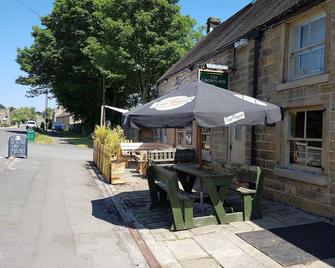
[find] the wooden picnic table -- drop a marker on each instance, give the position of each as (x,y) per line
(163,182)
(217,185)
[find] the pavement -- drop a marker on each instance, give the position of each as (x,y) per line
(209,246)
(56,211)
(53,214)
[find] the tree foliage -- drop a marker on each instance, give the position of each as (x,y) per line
(130,43)
(23,114)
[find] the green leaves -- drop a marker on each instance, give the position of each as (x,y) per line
(23,114)
(131,42)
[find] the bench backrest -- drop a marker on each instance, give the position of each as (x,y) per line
(253,175)
(162,155)
(185,156)
(164,175)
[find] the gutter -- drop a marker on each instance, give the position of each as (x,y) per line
(286,15)
(257,36)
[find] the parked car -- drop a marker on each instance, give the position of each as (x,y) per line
(57,126)
(31,124)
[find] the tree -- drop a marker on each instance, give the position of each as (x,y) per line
(142,39)
(55,62)
(23,114)
(130,43)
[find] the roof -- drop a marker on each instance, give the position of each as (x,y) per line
(260,15)
(63,114)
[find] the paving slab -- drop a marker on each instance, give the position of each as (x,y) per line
(207,246)
(201,263)
(186,249)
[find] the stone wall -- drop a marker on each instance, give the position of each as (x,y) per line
(314,197)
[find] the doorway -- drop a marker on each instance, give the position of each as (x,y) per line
(237,138)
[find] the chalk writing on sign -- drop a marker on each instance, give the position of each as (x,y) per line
(18,146)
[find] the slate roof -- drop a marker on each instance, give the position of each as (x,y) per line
(259,15)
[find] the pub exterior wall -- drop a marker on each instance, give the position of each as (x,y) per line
(318,198)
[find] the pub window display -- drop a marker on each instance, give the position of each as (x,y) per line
(305,138)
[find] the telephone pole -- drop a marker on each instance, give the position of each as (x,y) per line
(103,111)
(46,111)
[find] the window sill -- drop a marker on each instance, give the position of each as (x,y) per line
(301,176)
(304,82)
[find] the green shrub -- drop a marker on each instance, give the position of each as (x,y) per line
(111,138)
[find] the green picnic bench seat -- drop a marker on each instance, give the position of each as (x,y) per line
(248,182)
(163,183)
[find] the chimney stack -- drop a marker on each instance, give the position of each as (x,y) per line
(212,22)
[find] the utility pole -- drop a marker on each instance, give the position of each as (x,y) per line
(46,111)
(103,111)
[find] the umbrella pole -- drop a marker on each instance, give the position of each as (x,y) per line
(200,164)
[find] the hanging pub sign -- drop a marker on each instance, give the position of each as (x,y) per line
(218,79)
(18,146)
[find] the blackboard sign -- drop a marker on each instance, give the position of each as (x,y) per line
(18,146)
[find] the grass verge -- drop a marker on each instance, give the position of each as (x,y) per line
(44,139)
(76,139)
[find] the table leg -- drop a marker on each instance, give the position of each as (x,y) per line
(187,181)
(216,200)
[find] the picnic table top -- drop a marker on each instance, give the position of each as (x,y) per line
(140,146)
(196,170)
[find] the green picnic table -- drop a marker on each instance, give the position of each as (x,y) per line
(163,182)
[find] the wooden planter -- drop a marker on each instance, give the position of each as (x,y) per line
(117,168)
(110,167)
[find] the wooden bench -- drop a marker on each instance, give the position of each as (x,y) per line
(248,182)
(163,183)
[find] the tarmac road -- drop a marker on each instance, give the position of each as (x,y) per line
(52,213)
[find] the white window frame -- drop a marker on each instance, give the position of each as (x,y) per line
(288,139)
(205,139)
(206,144)
(292,52)
(180,136)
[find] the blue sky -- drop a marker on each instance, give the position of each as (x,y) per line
(17,18)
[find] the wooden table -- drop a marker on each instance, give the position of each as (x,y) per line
(217,186)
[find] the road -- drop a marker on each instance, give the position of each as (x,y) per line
(52,214)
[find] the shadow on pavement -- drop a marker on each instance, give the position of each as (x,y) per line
(17,131)
(103,209)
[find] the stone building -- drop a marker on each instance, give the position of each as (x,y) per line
(282,52)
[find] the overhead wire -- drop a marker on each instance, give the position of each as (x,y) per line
(28,8)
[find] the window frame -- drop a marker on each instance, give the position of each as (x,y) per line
(180,136)
(291,52)
(288,139)
(206,143)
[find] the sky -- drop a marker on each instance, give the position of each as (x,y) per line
(18,17)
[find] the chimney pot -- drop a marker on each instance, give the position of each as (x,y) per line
(212,22)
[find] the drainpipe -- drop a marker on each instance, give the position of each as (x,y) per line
(257,36)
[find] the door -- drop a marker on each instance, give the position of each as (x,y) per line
(237,144)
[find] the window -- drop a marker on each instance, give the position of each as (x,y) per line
(307,50)
(305,138)
(180,136)
(205,139)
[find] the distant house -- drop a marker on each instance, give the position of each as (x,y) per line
(4,115)
(63,116)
